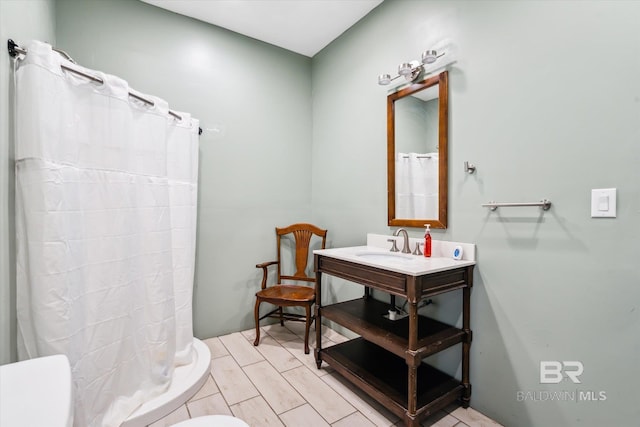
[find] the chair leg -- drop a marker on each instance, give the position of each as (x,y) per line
(256,313)
(307,324)
(281,321)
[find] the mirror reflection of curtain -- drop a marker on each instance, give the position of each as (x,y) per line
(417,185)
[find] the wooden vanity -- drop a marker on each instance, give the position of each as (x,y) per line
(386,360)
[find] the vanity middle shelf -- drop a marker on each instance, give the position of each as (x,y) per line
(364,316)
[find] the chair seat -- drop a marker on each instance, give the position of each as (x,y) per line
(288,292)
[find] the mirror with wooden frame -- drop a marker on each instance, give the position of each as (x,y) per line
(417,138)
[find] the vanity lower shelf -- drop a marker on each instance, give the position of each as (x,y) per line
(364,316)
(384,376)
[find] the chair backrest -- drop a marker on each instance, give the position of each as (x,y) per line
(302,233)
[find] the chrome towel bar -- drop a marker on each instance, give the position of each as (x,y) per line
(544,204)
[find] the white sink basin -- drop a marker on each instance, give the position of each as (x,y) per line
(386,257)
(378,257)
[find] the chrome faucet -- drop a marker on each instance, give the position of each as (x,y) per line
(405,236)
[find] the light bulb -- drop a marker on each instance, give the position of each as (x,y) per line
(429,56)
(384,79)
(404,69)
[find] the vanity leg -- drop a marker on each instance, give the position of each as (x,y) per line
(411,421)
(318,316)
(413,364)
(466,346)
(413,395)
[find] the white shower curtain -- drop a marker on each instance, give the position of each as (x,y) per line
(105,221)
(417,185)
(182,173)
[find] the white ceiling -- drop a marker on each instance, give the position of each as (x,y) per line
(302,26)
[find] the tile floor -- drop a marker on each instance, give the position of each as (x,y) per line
(276,384)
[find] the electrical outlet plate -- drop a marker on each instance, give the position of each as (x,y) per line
(603,203)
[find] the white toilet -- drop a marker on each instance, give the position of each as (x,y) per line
(45,381)
(213,421)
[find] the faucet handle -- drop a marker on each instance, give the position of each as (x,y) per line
(418,251)
(394,248)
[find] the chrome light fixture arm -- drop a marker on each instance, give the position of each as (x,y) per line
(412,69)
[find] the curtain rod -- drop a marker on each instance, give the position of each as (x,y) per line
(15,50)
(424,156)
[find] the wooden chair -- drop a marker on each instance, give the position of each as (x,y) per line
(290,295)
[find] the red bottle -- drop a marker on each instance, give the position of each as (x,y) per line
(427,242)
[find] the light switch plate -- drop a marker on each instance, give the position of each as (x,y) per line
(603,203)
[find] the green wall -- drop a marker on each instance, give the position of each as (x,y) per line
(19,20)
(416,125)
(545,101)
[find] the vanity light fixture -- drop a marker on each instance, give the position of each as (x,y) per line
(412,69)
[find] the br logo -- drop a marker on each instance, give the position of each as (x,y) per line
(551,371)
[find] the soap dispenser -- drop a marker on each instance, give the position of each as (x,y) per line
(427,241)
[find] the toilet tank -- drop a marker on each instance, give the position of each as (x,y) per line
(36,392)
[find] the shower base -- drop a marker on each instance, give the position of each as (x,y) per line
(187,380)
